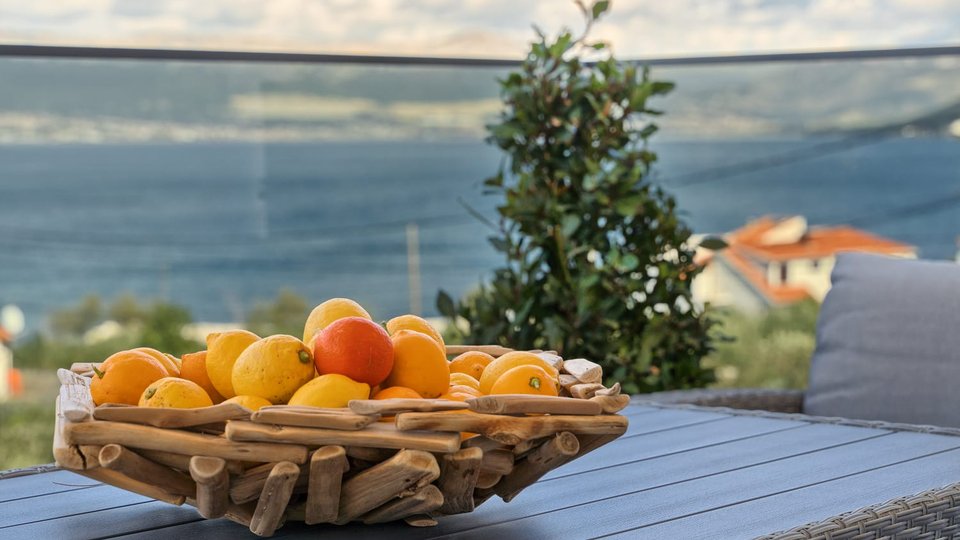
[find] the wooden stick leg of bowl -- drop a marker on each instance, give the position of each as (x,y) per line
(273,500)
(458,478)
(327,466)
(426,500)
(129,463)
(408,469)
(487,479)
(213,485)
(108,476)
(553,453)
(497,462)
(420,520)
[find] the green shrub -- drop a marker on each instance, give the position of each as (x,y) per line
(596,261)
(769,350)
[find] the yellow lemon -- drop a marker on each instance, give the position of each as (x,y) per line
(273,368)
(417,324)
(223,349)
(251,402)
(331,391)
(171,392)
(329,311)
(465,380)
(173,368)
(501,365)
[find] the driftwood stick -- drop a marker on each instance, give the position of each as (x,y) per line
(483,443)
(213,485)
(612,391)
(420,520)
(584,370)
(425,500)
(458,478)
(612,404)
(551,358)
(327,466)
(492,350)
(522,404)
(585,391)
(525,446)
(498,462)
(248,485)
(273,501)
(182,461)
(550,455)
(171,418)
(512,430)
(152,438)
(374,435)
(129,463)
(370,453)
(122,481)
(399,405)
(409,469)
(487,479)
(336,419)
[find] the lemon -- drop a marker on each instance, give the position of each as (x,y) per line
(332,391)
(412,322)
(223,349)
(273,368)
(171,392)
(172,367)
(329,311)
(251,402)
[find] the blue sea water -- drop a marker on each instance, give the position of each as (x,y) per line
(218,226)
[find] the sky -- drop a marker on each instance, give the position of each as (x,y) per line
(482,28)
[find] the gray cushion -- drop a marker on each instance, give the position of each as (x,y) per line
(888,342)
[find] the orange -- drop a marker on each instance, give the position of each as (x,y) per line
(471,362)
(172,368)
(511,360)
(223,349)
(417,324)
(326,313)
(419,363)
(193,367)
(356,347)
(124,376)
(527,379)
(254,403)
(465,380)
(274,368)
(395,392)
(459,388)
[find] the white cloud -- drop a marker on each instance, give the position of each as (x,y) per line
(636,28)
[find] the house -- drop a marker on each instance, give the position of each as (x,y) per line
(772,262)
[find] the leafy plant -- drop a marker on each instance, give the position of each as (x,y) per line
(596,260)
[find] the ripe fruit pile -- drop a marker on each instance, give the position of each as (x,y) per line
(344,355)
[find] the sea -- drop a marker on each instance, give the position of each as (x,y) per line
(217,227)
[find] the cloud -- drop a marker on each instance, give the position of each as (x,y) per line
(637,28)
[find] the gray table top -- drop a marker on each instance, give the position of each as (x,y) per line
(676,473)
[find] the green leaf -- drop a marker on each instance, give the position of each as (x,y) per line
(713,243)
(629,206)
(499,244)
(600,7)
(629,262)
(445,305)
(570,224)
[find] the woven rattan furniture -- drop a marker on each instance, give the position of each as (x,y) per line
(680,471)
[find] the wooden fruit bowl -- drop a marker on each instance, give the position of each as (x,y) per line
(317,465)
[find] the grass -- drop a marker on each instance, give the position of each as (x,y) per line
(26,422)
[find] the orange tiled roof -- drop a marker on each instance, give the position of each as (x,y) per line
(824,242)
(754,275)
